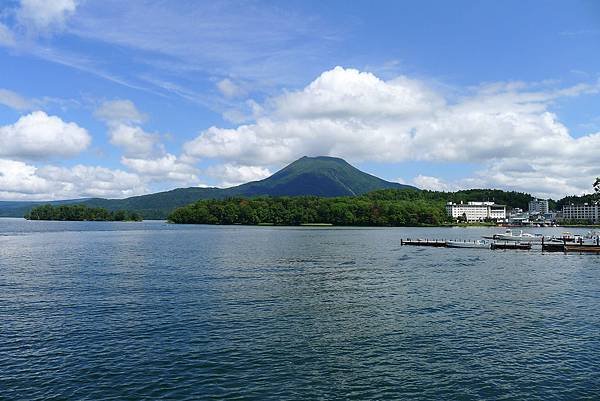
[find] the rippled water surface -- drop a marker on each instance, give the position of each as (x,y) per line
(154,311)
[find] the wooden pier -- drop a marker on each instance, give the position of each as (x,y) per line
(571,246)
(553,247)
(583,248)
(511,245)
(424,242)
(546,246)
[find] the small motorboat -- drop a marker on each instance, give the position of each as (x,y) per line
(481,244)
(568,238)
(509,235)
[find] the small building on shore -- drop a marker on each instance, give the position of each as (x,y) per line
(476,211)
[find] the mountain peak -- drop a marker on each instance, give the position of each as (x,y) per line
(319,176)
(332,159)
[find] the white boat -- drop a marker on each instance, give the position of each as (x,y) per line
(591,238)
(468,244)
(509,235)
(526,237)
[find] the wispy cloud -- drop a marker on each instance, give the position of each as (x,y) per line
(223,39)
(181,51)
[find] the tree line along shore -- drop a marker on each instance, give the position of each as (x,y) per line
(389,207)
(386,207)
(80,213)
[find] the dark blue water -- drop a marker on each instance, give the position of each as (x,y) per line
(93,311)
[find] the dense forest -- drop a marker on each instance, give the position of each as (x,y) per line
(576,200)
(79,213)
(511,199)
(343,211)
(386,207)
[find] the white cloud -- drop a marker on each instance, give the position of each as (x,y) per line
(6,36)
(120,111)
(38,136)
(44,15)
(143,152)
(229,89)
(19,180)
(232,174)
(14,100)
(165,168)
(122,118)
(433,183)
(348,93)
(92,181)
(17,177)
(133,140)
(358,116)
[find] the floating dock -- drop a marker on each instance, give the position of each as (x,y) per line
(551,246)
(582,248)
(424,242)
(511,245)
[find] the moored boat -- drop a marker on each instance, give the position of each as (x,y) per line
(480,244)
(509,235)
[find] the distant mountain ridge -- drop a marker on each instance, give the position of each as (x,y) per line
(319,176)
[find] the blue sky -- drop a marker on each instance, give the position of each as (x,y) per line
(111,98)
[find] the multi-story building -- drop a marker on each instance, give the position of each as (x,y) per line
(581,212)
(538,206)
(476,211)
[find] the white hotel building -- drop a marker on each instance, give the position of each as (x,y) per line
(476,211)
(581,212)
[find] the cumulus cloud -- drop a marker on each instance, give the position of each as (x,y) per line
(232,174)
(433,183)
(45,15)
(165,168)
(38,136)
(93,181)
(120,111)
(348,93)
(123,118)
(143,152)
(356,115)
(133,140)
(19,180)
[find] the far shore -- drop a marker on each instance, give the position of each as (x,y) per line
(448,225)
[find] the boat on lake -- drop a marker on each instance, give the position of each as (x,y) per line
(509,235)
(481,244)
(591,238)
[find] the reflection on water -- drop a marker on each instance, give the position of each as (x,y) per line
(157,311)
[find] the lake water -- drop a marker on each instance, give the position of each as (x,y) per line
(153,311)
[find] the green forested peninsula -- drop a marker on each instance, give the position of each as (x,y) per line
(368,210)
(79,213)
(387,207)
